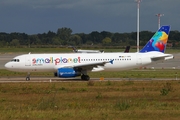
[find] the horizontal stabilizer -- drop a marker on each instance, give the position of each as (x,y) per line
(162,57)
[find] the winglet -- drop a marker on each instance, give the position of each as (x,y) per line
(158,41)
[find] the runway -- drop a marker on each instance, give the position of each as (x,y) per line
(55,79)
(6,57)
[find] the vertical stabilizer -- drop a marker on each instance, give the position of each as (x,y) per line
(158,42)
(127,49)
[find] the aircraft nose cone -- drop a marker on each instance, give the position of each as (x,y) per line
(7,65)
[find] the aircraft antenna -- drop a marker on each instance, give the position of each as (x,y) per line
(159,19)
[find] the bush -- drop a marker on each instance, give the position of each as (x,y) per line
(122,105)
(90,83)
(166,89)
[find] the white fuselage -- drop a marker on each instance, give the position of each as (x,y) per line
(51,62)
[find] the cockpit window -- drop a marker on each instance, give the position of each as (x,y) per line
(15,60)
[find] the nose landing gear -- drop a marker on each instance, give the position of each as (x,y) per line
(28,77)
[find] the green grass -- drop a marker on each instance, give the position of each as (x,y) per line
(95,100)
(83,101)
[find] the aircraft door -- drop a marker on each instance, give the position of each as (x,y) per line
(27,60)
(139,60)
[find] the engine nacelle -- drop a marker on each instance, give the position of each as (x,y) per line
(67,72)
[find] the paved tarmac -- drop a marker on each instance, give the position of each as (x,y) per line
(6,57)
(54,79)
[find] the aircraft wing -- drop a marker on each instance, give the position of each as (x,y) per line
(162,57)
(90,66)
(85,66)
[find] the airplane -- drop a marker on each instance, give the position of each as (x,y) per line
(65,65)
(94,51)
(86,51)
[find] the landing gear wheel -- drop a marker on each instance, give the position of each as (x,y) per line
(27,78)
(85,77)
(82,77)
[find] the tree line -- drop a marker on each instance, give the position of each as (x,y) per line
(64,37)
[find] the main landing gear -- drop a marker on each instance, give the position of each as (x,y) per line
(28,77)
(85,77)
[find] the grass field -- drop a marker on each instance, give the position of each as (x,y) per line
(108,100)
(97,100)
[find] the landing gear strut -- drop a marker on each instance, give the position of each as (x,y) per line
(84,75)
(28,77)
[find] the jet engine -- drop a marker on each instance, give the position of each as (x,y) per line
(67,72)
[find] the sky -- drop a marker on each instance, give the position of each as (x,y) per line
(86,16)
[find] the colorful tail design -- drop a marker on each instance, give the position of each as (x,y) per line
(158,41)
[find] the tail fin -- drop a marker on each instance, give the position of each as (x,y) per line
(127,49)
(74,49)
(158,41)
